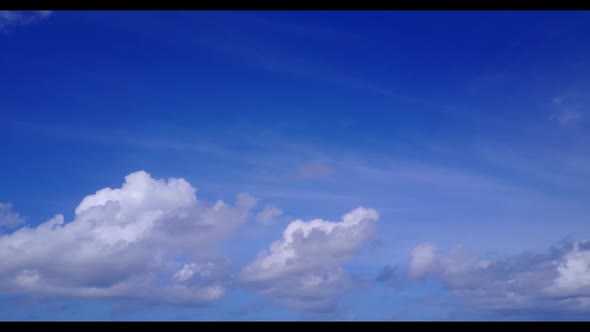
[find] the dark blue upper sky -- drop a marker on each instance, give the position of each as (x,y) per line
(458,127)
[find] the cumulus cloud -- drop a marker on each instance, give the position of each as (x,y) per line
(150,239)
(574,272)
(556,281)
(304,269)
(20,18)
(423,259)
(8,217)
(267,214)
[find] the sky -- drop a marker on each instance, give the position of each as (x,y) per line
(308,165)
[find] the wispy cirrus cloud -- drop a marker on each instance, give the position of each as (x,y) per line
(565,115)
(316,169)
(9,18)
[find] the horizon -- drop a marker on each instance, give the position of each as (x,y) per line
(294,165)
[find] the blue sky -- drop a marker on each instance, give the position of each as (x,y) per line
(406,165)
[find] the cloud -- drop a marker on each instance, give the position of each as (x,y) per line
(304,269)
(246,201)
(567,117)
(532,284)
(423,257)
(9,218)
(574,272)
(149,240)
(268,214)
(21,18)
(564,116)
(391,275)
(314,170)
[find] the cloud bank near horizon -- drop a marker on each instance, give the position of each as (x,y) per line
(534,284)
(153,240)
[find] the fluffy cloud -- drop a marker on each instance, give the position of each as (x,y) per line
(150,240)
(13,18)
(8,217)
(574,272)
(423,259)
(304,269)
(557,281)
(268,214)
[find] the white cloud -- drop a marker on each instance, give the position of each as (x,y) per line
(556,281)
(8,217)
(423,259)
(304,270)
(15,18)
(44,13)
(268,214)
(574,272)
(246,200)
(150,240)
